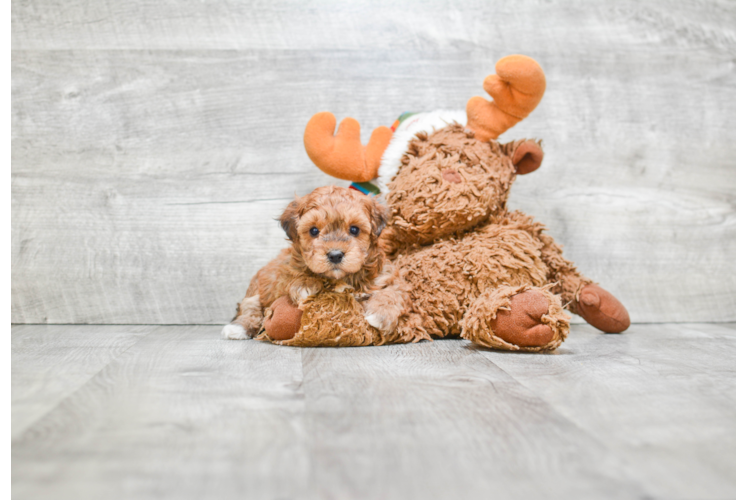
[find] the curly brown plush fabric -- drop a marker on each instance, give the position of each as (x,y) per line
(446,277)
(472,267)
(424,207)
(331,319)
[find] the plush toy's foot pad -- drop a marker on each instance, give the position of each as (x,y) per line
(516,318)
(521,325)
(285,320)
(603,311)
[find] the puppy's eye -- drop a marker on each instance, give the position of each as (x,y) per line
(354,230)
(314,232)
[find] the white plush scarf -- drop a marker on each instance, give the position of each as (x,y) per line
(421,122)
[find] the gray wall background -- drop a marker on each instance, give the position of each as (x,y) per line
(154,143)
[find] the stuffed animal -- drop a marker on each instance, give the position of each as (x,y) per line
(472,267)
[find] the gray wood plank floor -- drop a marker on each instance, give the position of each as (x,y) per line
(175,412)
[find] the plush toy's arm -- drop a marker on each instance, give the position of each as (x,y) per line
(282,319)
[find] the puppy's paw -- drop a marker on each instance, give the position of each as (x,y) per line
(384,321)
(374,320)
(384,308)
(232,331)
(299,293)
(342,287)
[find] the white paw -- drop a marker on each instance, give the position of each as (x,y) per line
(342,287)
(375,320)
(234,332)
(299,294)
(303,293)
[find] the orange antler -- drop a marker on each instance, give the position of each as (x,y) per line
(517,87)
(342,155)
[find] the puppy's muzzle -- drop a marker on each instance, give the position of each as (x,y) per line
(335,256)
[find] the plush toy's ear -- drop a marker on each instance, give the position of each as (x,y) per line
(516,88)
(290,217)
(379,215)
(527,157)
(342,155)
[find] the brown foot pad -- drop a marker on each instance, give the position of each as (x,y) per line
(603,311)
(521,325)
(285,321)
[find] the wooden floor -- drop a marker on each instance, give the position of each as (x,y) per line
(175,412)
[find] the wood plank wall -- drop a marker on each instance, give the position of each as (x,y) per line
(153,142)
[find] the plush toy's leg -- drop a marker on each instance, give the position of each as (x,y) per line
(283,319)
(580,294)
(520,318)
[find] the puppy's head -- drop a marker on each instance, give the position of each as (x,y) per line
(335,230)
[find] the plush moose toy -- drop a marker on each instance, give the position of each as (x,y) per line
(472,267)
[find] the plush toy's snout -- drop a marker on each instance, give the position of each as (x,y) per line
(451,175)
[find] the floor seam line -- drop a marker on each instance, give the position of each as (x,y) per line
(78,388)
(590,435)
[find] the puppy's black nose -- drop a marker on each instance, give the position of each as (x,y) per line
(335,256)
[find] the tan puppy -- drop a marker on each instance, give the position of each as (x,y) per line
(334,235)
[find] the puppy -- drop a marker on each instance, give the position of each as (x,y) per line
(334,235)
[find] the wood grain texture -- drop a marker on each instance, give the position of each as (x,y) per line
(662,398)
(153,143)
(351,25)
(433,420)
(51,362)
(182,414)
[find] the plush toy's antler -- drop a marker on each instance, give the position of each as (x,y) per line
(517,87)
(342,155)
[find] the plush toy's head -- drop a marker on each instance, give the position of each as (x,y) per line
(441,172)
(449,181)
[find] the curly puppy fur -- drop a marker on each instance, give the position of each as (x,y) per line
(334,234)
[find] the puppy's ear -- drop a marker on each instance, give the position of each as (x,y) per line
(290,217)
(379,215)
